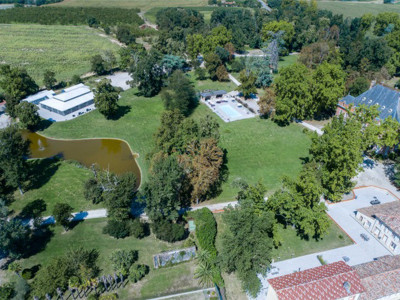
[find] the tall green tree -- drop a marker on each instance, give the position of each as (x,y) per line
(328,86)
(339,152)
(179,93)
(293,94)
(164,192)
(212,62)
(247,244)
(27,114)
(247,86)
(14,237)
(49,79)
(106,98)
(16,84)
(98,65)
(14,150)
(390,133)
(62,213)
(147,74)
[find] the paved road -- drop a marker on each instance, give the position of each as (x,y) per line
(184,294)
(102,213)
(360,252)
(310,127)
(234,80)
(264,5)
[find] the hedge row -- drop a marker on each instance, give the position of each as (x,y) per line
(206,230)
(70,15)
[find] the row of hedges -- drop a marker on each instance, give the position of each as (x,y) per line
(70,15)
(206,230)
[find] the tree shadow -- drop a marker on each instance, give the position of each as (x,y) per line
(33,209)
(40,237)
(41,170)
(121,111)
(43,124)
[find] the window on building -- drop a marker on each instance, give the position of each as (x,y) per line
(368,223)
(393,245)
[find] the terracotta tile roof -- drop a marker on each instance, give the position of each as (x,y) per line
(324,282)
(381,278)
(389,213)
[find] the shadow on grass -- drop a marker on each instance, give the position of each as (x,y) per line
(41,170)
(43,124)
(33,209)
(121,111)
(39,240)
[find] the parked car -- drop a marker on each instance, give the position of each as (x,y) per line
(375,202)
(364,237)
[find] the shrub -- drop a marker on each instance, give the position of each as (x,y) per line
(167,231)
(117,229)
(6,291)
(109,297)
(122,260)
(137,229)
(206,230)
(137,272)
(92,297)
(27,274)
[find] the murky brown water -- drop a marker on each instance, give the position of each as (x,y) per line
(114,155)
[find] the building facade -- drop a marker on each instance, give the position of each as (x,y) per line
(383,222)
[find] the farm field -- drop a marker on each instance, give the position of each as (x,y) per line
(88,234)
(142,4)
(357,9)
(205,10)
(66,50)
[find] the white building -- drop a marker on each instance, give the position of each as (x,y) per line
(69,101)
(383,221)
(39,97)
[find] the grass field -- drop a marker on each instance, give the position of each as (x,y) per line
(357,9)
(142,4)
(66,50)
(256,149)
(55,181)
(88,235)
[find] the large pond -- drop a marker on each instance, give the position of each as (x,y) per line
(108,154)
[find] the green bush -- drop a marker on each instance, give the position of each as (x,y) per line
(6,291)
(137,229)
(122,260)
(27,274)
(109,297)
(169,232)
(92,297)
(137,272)
(206,230)
(117,229)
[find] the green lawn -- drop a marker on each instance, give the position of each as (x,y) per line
(357,9)
(287,61)
(259,149)
(55,181)
(293,245)
(66,50)
(88,234)
(256,149)
(142,4)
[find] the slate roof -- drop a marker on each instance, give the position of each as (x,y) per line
(387,99)
(380,278)
(324,282)
(388,213)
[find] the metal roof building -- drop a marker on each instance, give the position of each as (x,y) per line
(39,97)
(70,100)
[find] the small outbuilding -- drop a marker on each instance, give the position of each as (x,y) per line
(207,95)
